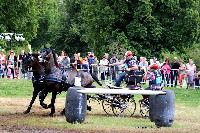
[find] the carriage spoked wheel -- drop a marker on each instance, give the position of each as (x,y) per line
(144,108)
(107,104)
(123,105)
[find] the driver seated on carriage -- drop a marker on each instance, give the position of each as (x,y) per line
(130,67)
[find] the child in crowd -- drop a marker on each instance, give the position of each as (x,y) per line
(182,72)
(10,68)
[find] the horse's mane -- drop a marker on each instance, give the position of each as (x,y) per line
(35,55)
(54,57)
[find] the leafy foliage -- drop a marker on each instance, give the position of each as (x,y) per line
(147,27)
(19,16)
(194,53)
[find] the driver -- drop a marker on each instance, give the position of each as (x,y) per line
(130,66)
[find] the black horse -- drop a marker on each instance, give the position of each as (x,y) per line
(31,61)
(56,81)
(40,82)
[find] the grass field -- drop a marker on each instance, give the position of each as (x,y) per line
(15,96)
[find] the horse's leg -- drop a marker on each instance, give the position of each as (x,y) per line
(42,96)
(35,93)
(53,103)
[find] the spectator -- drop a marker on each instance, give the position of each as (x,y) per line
(64,60)
(85,64)
(154,61)
(21,57)
(2,63)
(166,71)
(182,73)
(143,66)
(12,63)
(95,66)
(60,57)
(104,67)
(79,61)
(197,79)
(76,61)
(191,69)
(91,60)
(174,72)
(113,69)
(143,63)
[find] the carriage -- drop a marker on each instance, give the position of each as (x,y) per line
(123,105)
(120,101)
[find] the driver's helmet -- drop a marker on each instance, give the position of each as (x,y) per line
(128,53)
(154,66)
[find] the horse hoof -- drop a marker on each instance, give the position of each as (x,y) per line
(26,112)
(51,114)
(49,106)
(44,106)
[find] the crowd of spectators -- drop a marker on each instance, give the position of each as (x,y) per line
(174,72)
(11,65)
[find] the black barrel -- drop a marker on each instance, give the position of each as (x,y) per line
(162,109)
(75,105)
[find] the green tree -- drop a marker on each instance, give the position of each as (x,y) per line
(19,16)
(149,25)
(49,23)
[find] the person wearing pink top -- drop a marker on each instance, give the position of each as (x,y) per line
(166,70)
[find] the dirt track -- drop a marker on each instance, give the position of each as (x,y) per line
(26,129)
(11,115)
(12,120)
(11,111)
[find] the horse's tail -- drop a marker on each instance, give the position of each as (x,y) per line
(96,79)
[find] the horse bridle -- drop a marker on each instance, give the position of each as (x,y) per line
(44,55)
(27,65)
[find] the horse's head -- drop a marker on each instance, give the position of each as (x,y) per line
(28,62)
(48,56)
(45,55)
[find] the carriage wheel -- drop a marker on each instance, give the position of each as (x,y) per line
(107,106)
(144,108)
(123,107)
(92,101)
